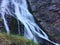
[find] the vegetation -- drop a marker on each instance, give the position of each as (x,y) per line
(14,40)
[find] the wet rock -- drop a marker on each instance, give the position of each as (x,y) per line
(59,12)
(53,7)
(55,1)
(1,24)
(14,27)
(47,13)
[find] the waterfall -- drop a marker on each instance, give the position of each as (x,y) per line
(19,10)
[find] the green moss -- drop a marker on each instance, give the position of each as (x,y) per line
(0,19)
(14,40)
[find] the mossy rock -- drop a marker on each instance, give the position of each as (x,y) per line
(14,40)
(0,19)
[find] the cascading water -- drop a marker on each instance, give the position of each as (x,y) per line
(19,10)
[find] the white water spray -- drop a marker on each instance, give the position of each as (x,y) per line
(25,17)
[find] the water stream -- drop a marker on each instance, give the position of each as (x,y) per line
(19,10)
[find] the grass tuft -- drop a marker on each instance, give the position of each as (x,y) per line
(14,40)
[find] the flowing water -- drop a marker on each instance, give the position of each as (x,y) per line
(19,10)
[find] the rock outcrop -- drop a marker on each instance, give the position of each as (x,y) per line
(47,13)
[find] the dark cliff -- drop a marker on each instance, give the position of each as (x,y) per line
(47,13)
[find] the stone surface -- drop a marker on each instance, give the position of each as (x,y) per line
(1,24)
(47,13)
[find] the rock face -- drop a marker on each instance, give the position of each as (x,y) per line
(47,13)
(12,24)
(1,24)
